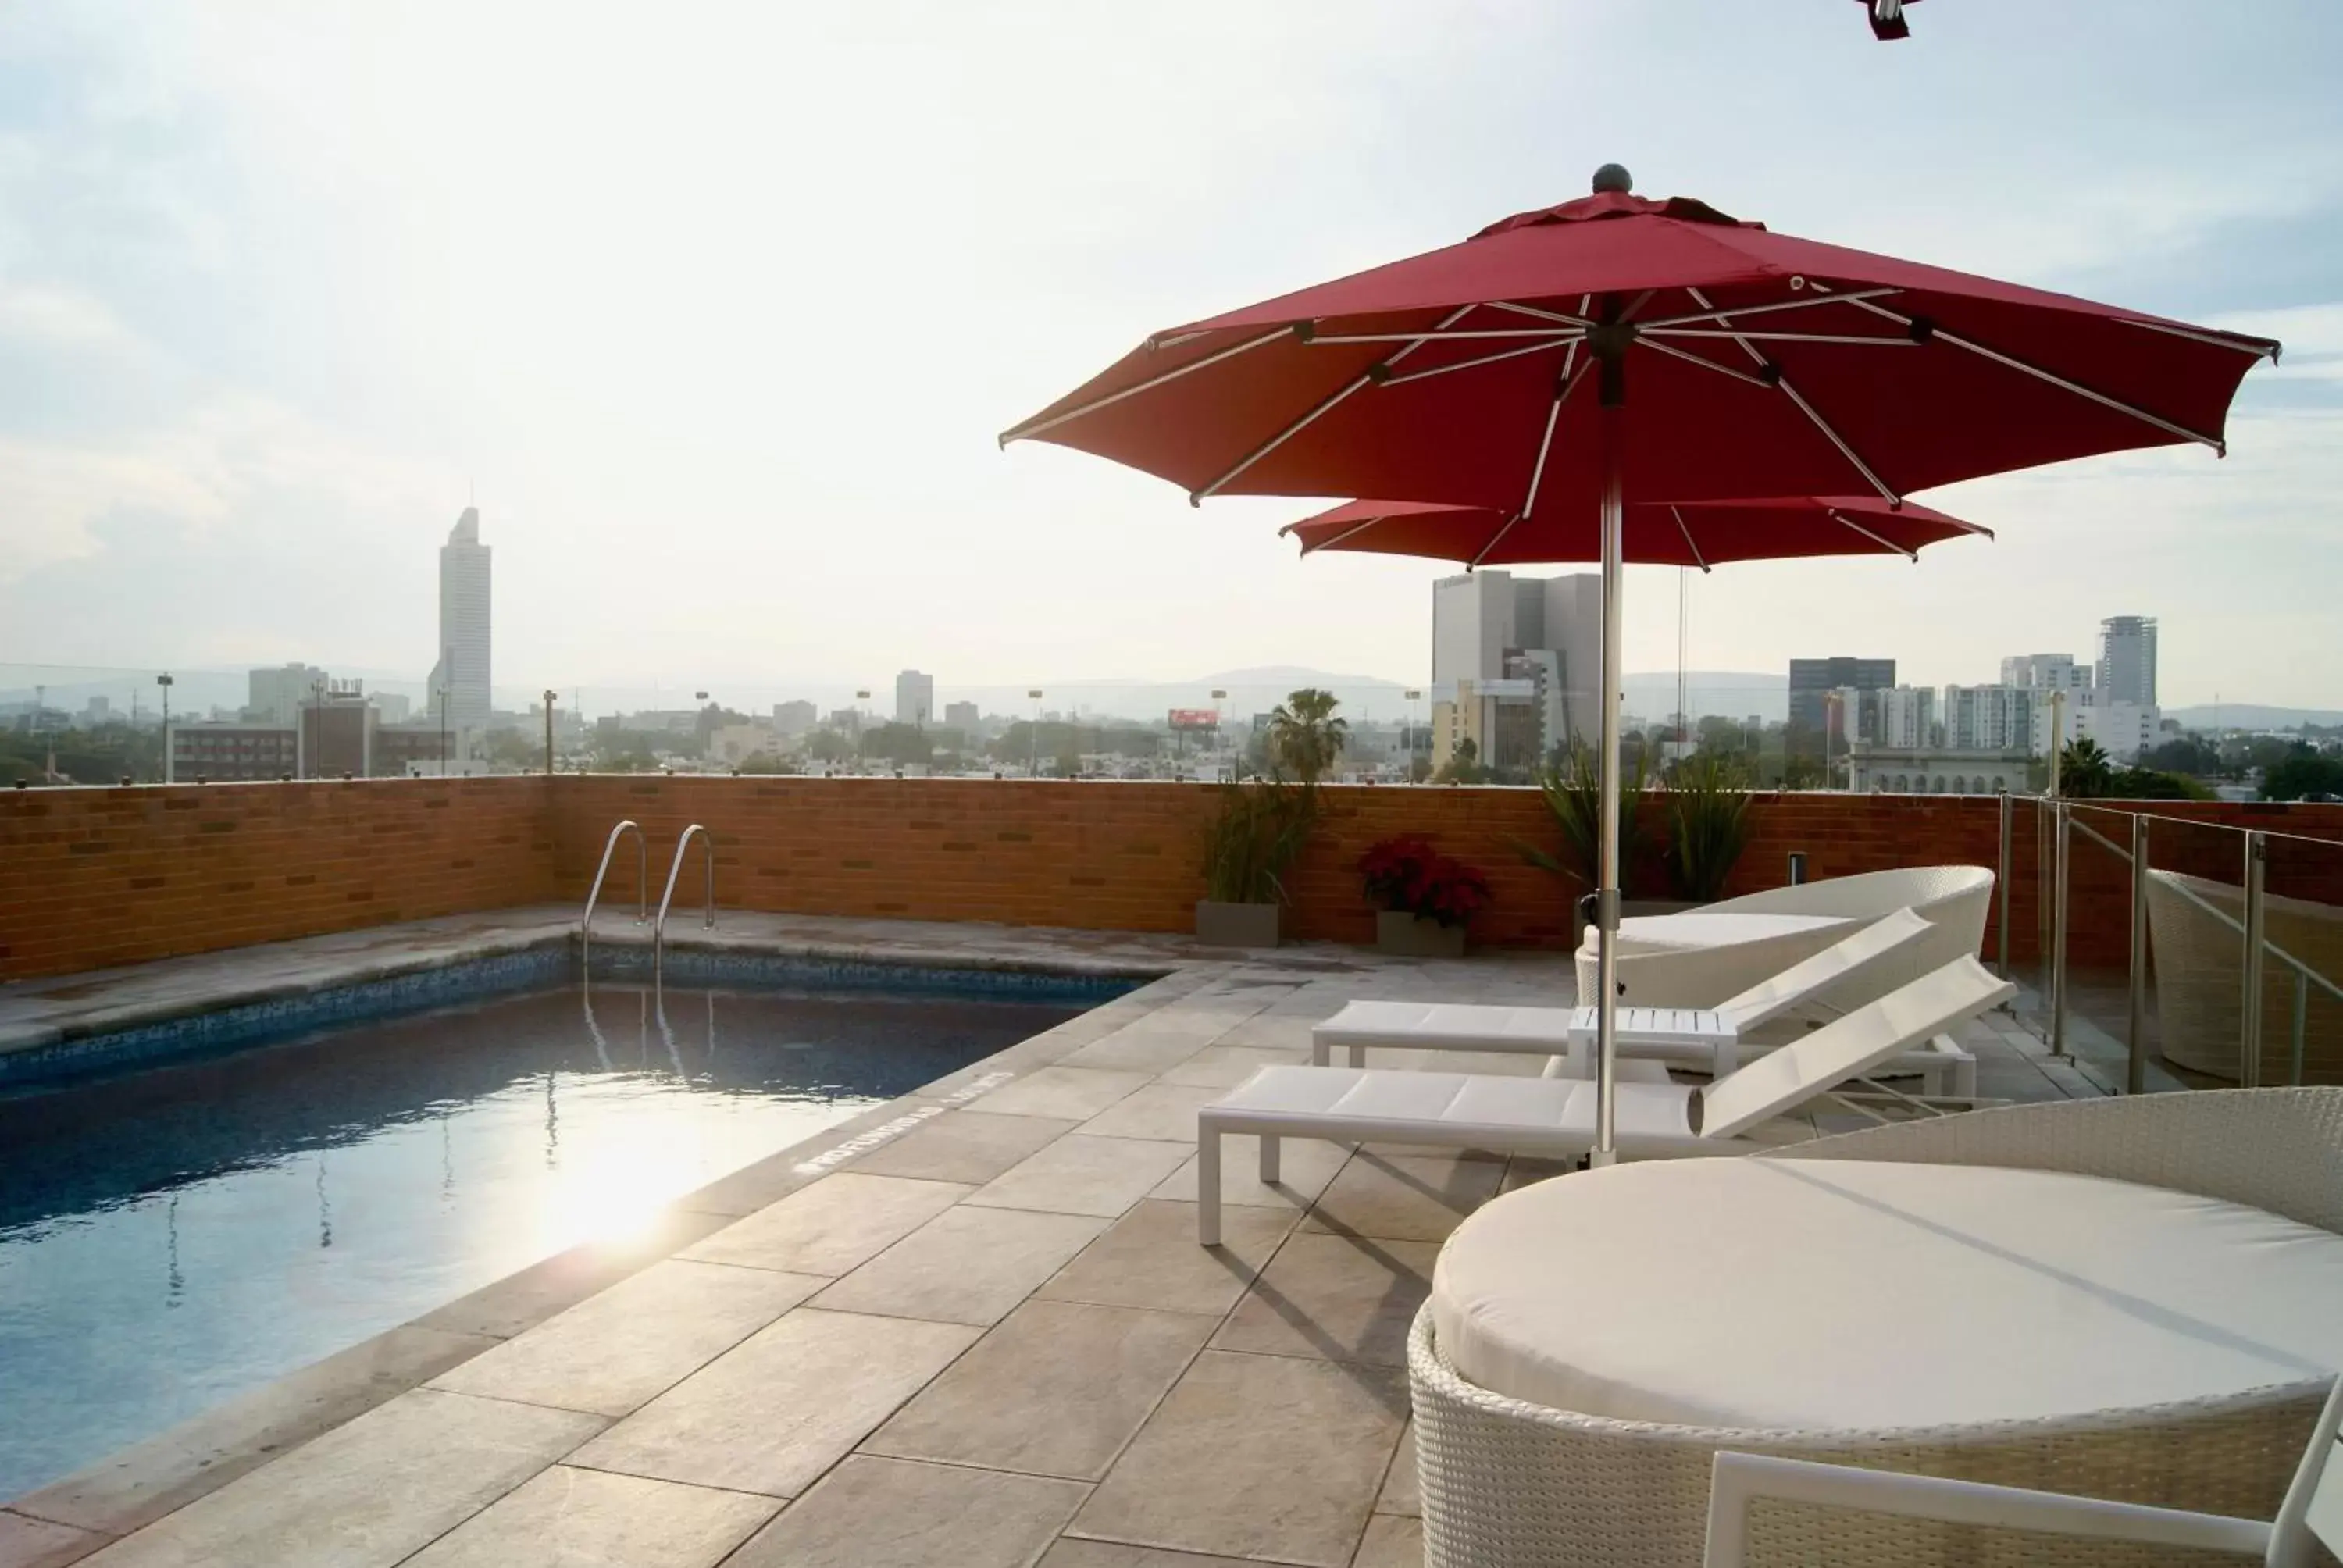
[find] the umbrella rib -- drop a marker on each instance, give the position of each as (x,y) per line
(2259,347)
(1712,314)
(1706,364)
(1471,334)
(1889,545)
(1325,404)
(1685,529)
(2061,382)
(1484,360)
(1781,382)
(1350,532)
(1541,314)
(1776,336)
(1494,540)
(1545,444)
(1035,427)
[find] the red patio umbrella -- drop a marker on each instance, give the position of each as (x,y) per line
(1702,534)
(1755,364)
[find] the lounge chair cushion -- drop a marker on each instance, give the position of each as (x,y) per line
(1858,1295)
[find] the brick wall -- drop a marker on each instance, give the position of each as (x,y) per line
(96,877)
(91,878)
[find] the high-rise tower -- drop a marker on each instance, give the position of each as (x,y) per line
(462,672)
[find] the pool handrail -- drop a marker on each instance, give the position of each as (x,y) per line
(642,887)
(674,872)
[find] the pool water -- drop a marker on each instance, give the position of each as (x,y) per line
(174,1236)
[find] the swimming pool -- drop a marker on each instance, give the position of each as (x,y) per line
(177,1234)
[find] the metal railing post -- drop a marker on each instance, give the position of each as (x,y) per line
(2061,829)
(2136,1063)
(2301,1022)
(2001,882)
(2046,887)
(2250,1030)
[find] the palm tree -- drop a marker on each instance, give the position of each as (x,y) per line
(1304,736)
(2085,772)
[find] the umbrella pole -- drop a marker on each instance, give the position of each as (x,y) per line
(1606,896)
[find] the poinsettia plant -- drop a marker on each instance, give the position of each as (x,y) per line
(1406,875)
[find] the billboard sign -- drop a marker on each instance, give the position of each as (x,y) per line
(1195,718)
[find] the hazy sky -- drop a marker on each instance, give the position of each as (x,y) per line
(720,308)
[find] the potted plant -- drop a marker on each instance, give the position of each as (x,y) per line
(1251,839)
(1574,793)
(1708,827)
(1425,898)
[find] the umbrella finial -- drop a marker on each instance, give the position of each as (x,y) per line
(1613,177)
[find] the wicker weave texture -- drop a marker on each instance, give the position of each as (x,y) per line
(1508,1484)
(2275,1149)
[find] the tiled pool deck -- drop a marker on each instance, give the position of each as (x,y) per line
(970,1327)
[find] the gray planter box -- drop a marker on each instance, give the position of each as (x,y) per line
(1410,936)
(1237,924)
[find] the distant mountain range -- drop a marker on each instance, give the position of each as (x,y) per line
(2250,715)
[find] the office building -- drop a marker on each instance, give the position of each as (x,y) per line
(1936,770)
(463,671)
(233,750)
(915,697)
(963,717)
(1988,717)
(274,696)
(1811,680)
(794,718)
(334,733)
(393,708)
(2046,672)
(1907,718)
(2122,729)
(1494,632)
(2127,660)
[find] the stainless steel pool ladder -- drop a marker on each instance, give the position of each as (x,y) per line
(674,872)
(642,888)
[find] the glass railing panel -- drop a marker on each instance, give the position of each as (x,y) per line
(2196,908)
(2302,960)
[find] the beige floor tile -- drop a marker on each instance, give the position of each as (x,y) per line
(832,1226)
(570,1518)
(1163,1110)
(1077,1093)
(1070,1553)
(37,1544)
(1305,1166)
(965,1266)
(1150,1258)
(1400,1494)
(365,1494)
(1393,1541)
(1147,1047)
(1056,1390)
(959,1147)
(1255,1456)
(1344,1298)
(1226,1066)
(612,1352)
(1405,1197)
(774,1413)
(892,1514)
(1084,1175)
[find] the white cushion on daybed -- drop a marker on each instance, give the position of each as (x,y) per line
(1868,1296)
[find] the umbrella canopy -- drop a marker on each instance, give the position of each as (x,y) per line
(1707,360)
(1702,534)
(1756,365)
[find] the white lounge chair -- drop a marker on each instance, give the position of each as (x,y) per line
(1700,957)
(2310,1515)
(1555,1116)
(1705,1039)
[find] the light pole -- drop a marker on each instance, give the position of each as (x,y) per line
(549,695)
(1033,769)
(1414,694)
(163,681)
(443,730)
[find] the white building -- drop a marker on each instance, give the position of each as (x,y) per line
(2122,729)
(1491,628)
(276,695)
(2046,672)
(392,707)
(1935,771)
(2127,660)
(915,697)
(463,670)
(1908,716)
(1988,717)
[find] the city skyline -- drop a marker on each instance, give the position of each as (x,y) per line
(264,366)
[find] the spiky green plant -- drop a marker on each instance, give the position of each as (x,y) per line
(1252,837)
(1573,794)
(1708,825)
